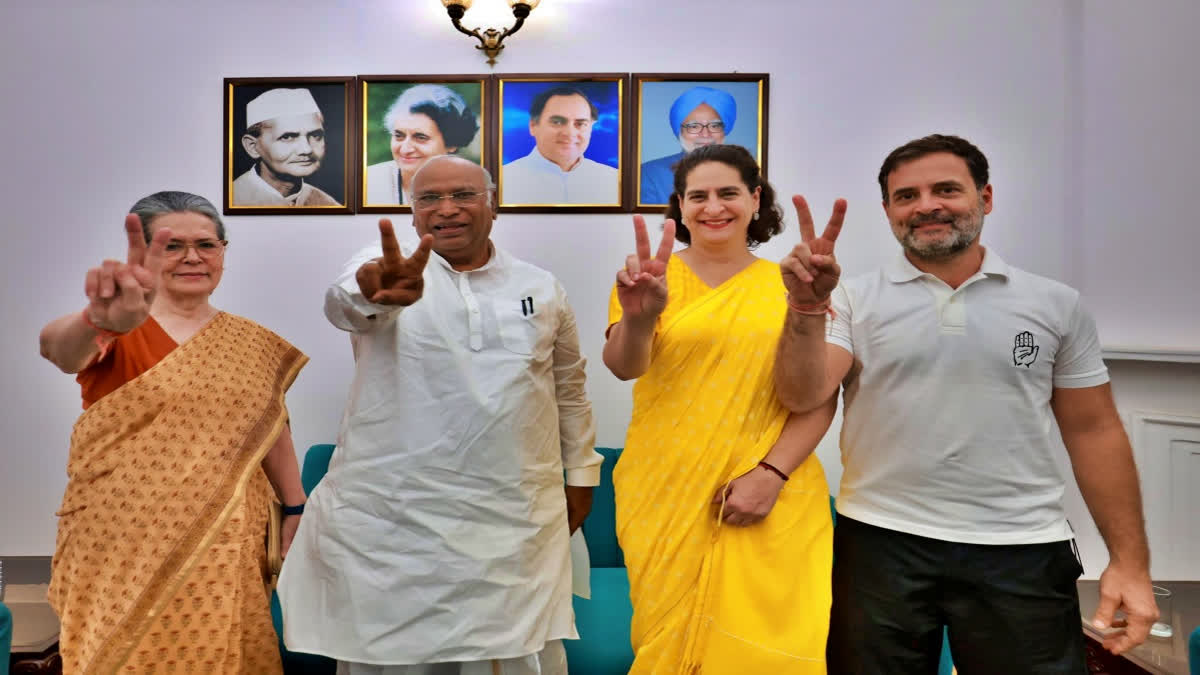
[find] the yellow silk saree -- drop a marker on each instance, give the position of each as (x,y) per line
(710,598)
(160,558)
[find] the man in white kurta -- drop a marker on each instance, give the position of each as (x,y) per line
(440,533)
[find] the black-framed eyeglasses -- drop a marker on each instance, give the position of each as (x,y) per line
(694,128)
(460,198)
(205,248)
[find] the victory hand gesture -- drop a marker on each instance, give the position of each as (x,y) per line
(120,294)
(392,279)
(642,283)
(810,271)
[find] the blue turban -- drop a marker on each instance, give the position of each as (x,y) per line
(719,100)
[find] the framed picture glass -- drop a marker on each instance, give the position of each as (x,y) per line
(407,119)
(288,145)
(675,113)
(561,143)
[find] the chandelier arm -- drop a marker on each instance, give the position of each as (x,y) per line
(456,20)
(490,40)
(515,27)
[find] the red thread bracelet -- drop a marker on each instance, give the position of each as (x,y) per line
(819,309)
(773,470)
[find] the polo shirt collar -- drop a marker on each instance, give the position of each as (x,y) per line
(902,270)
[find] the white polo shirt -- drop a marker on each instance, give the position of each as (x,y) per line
(947,429)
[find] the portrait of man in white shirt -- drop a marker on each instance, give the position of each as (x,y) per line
(556,171)
(285,139)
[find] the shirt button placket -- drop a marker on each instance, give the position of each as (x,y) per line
(474,321)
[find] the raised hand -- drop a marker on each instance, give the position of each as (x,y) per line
(392,279)
(810,271)
(642,283)
(120,294)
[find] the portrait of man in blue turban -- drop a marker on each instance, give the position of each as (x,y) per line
(701,115)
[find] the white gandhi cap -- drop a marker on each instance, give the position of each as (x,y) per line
(280,103)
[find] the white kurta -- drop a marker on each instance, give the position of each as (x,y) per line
(439,532)
(533,179)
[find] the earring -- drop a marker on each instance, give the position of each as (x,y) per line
(756,215)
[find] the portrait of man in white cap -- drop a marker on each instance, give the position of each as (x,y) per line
(285,136)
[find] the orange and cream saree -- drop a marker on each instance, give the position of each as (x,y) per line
(160,559)
(710,598)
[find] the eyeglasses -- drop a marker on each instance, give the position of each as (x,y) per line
(205,248)
(694,128)
(460,198)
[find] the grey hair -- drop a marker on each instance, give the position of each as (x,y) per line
(487,175)
(491,184)
(173,201)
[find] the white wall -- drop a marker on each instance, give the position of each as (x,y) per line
(1137,232)
(108,102)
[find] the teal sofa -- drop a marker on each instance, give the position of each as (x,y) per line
(603,621)
(603,647)
(316,463)
(1194,652)
(6,631)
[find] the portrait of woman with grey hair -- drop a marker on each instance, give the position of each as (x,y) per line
(425,120)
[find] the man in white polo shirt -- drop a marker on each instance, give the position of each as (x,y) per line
(955,367)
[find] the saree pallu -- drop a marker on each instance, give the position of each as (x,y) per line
(710,598)
(160,558)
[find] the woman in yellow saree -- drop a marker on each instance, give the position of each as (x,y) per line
(722,510)
(160,560)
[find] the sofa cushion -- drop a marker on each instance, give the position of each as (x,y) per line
(603,647)
(600,527)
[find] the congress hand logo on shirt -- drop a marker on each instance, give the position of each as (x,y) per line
(1024,350)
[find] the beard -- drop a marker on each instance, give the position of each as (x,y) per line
(964,230)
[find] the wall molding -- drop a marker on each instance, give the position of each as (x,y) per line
(1166,469)
(1133,353)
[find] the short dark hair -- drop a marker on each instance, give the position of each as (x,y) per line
(770,216)
(539,102)
(977,164)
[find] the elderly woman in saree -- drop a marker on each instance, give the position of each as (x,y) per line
(425,121)
(699,116)
(722,509)
(182,447)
